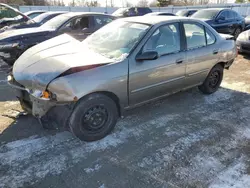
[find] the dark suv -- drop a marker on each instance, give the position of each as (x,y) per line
(225,21)
(132,11)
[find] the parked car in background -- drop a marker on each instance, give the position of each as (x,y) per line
(34,13)
(132,11)
(79,25)
(10,16)
(247,22)
(159,14)
(186,12)
(36,22)
(127,63)
(222,20)
(243,42)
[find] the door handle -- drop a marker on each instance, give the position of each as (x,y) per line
(215,52)
(179,61)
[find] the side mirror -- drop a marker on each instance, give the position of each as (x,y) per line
(150,55)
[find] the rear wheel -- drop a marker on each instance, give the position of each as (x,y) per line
(94,117)
(213,80)
(237,32)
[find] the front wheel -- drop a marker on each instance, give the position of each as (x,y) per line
(213,80)
(94,117)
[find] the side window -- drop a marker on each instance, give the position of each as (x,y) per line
(223,14)
(195,35)
(34,15)
(236,15)
(7,13)
(77,24)
(102,20)
(210,37)
(47,18)
(132,12)
(230,15)
(165,40)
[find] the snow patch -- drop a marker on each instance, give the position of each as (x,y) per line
(176,149)
(10,103)
(54,154)
(90,170)
(237,86)
(233,177)
(220,95)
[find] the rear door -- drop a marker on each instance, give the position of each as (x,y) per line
(150,79)
(201,52)
(232,23)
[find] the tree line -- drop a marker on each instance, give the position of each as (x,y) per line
(110,3)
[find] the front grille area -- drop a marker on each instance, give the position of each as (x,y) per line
(244,47)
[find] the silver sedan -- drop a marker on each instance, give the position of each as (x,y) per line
(87,85)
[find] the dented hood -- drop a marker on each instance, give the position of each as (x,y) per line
(39,65)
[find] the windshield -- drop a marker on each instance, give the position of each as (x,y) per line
(116,39)
(120,11)
(56,22)
(41,17)
(205,14)
(181,12)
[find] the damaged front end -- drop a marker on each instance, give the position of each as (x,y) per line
(9,52)
(43,105)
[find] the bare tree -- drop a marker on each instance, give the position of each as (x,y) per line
(152,4)
(142,3)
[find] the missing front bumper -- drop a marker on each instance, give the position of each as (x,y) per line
(34,106)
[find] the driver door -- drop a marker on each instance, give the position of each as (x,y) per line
(150,79)
(222,25)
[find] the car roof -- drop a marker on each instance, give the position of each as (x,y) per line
(152,20)
(86,13)
(54,12)
(218,9)
(35,11)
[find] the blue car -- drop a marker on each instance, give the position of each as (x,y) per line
(225,21)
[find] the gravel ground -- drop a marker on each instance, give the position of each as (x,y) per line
(185,140)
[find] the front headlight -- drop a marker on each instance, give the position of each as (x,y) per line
(45,95)
(243,36)
(9,46)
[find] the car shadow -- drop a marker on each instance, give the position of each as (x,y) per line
(246,56)
(181,103)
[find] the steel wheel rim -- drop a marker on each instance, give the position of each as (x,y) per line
(94,119)
(214,79)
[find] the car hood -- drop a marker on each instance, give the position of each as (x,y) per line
(21,32)
(208,21)
(39,65)
(226,36)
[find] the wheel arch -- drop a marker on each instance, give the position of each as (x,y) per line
(112,96)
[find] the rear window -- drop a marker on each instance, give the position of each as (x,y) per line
(205,14)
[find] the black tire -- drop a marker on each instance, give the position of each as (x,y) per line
(94,117)
(213,80)
(237,32)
